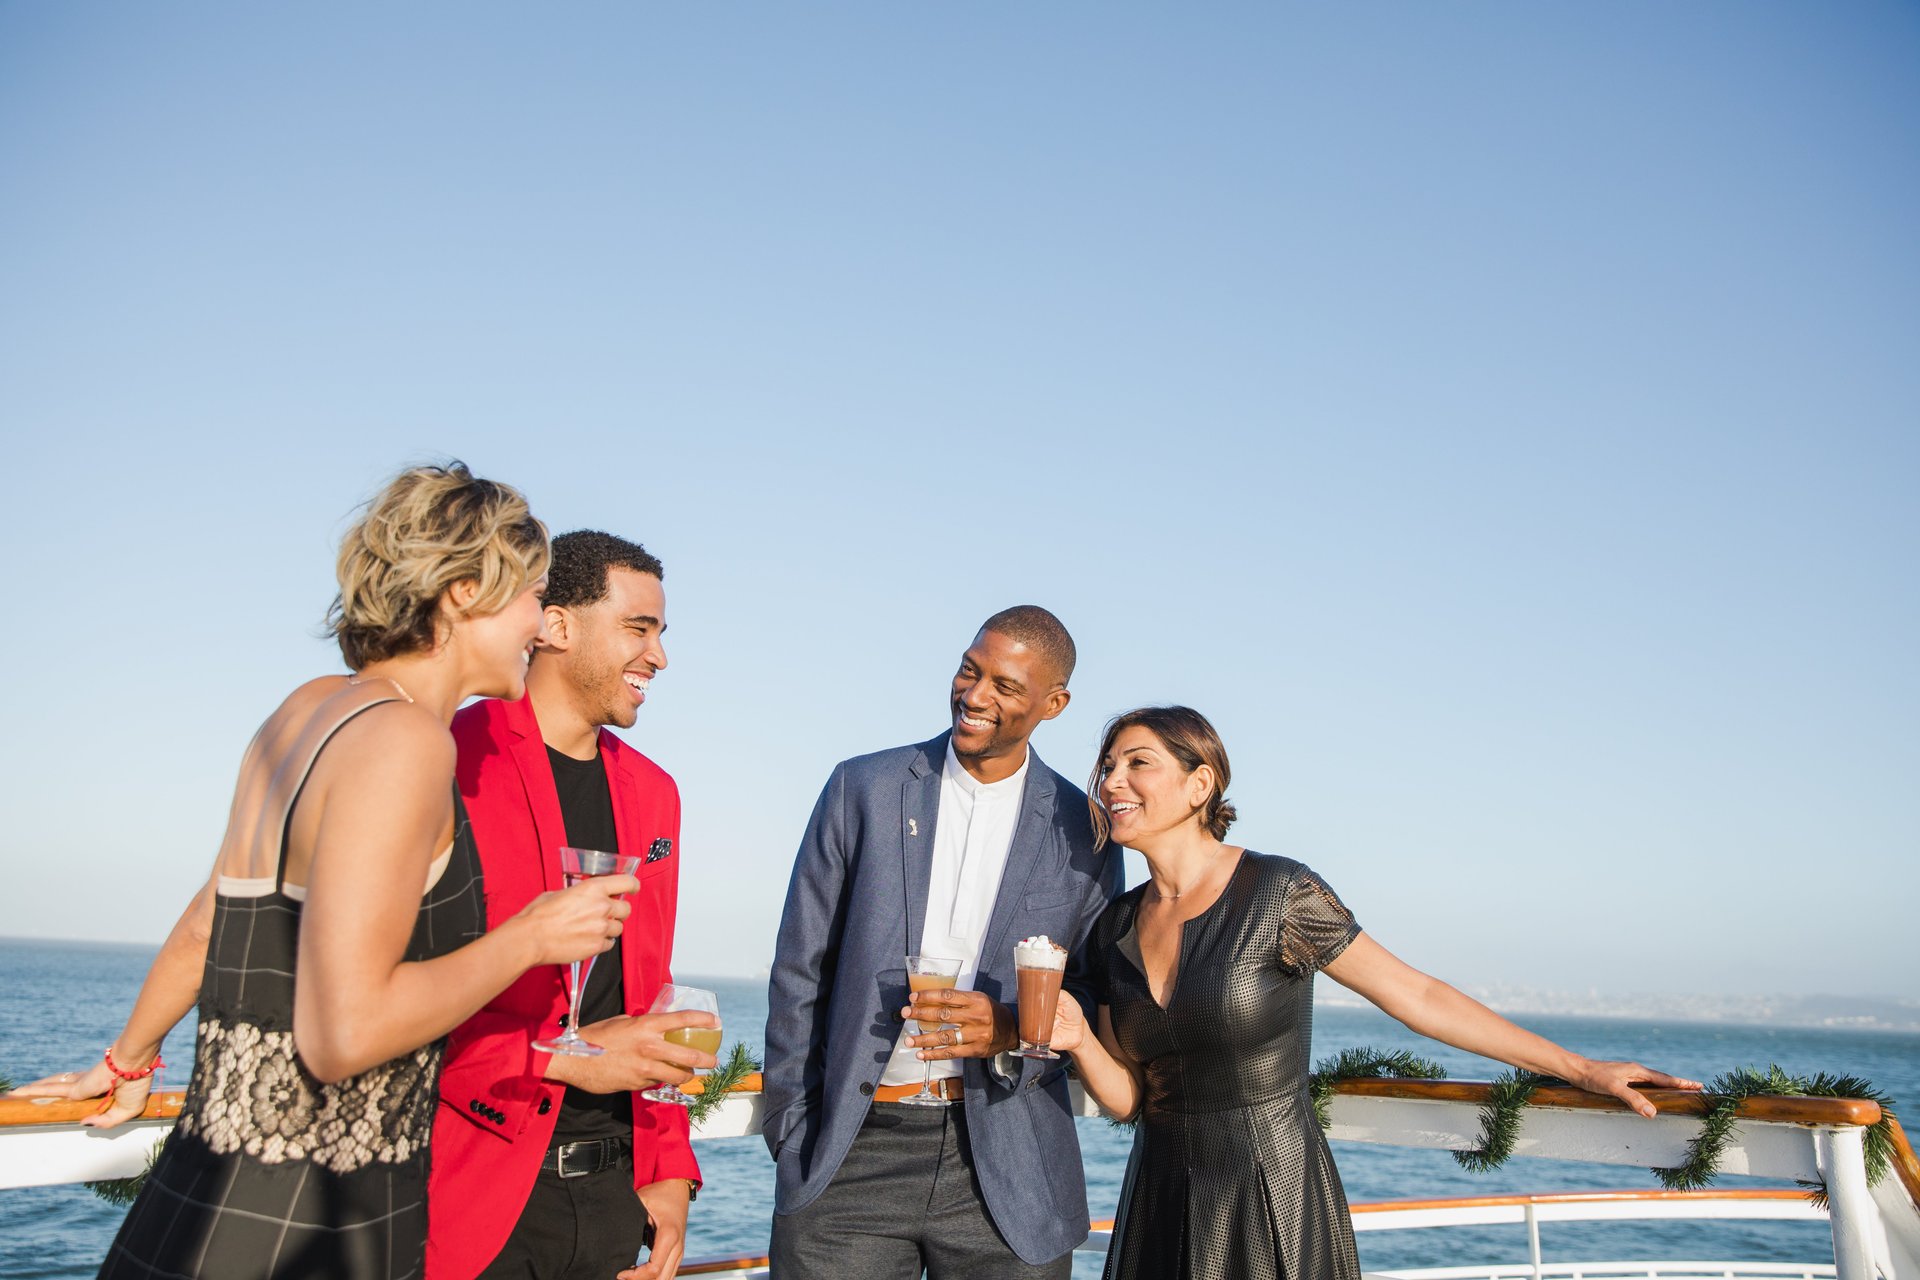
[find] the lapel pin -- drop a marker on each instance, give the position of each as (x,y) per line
(913,827)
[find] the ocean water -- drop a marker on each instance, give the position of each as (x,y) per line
(59,1002)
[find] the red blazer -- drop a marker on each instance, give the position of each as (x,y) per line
(497,1112)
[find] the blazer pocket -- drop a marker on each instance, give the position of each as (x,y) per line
(1048,901)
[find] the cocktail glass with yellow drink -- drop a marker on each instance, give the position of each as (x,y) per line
(673,999)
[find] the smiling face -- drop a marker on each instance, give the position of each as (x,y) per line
(610,650)
(1000,695)
(501,644)
(1145,790)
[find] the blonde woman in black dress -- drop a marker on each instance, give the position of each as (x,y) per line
(1205,975)
(302,1146)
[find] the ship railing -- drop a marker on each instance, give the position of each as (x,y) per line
(1875,1230)
(1746,1204)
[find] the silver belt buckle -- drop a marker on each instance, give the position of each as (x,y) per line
(560,1159)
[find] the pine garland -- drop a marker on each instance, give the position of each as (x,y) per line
(1364,1064)
(124,1191)
(713,1090)
(1500,1120)
(1702,1164)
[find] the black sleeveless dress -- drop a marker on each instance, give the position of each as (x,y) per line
(1230,1174)
(270,1173)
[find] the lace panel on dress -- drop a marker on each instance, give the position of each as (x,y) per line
(259,1099)
(1316,926)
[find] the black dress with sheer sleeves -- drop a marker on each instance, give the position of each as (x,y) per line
(1230,1174)
(270,1173)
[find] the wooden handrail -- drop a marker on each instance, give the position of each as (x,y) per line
(749,1083)
(163,1105)
(1668,1102)
(1788,1110)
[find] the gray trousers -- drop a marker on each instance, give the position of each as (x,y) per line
(904,1201)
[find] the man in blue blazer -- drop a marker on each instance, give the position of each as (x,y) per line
(958,847)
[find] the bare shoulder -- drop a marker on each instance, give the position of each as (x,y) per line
(297,709)
(390,735)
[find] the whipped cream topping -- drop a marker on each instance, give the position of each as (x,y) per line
(1039,953)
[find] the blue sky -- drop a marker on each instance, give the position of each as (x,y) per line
(1503,421)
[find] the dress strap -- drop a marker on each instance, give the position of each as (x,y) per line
(357,695)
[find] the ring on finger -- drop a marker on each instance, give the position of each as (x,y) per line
(958,1035)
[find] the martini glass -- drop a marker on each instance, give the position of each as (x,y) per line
(674,999)
(577,865)
(929,973)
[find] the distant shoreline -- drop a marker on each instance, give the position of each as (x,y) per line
(1822,1012)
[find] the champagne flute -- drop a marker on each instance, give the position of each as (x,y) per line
(929,973)
(674,999)
(577,865)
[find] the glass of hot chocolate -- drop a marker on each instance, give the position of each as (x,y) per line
(1038,964)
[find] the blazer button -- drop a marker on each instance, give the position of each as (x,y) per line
(866,1090)
(546,1105)
(473,1105)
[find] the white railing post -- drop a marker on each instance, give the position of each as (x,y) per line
(1841,1155)
(1533,1239)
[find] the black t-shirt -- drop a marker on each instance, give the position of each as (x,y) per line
(586,807)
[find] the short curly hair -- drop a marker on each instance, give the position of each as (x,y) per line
(430,527)
(1039,630)
(581,560)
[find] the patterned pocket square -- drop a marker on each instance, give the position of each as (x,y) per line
(660,849)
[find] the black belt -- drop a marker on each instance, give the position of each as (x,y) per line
(578,1159)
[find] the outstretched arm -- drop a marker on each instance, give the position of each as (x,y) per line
(1433,1008)
(171,988)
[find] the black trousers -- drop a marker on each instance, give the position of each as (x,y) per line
(904,1201)
(583,1228)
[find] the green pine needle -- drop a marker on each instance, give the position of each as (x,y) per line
(731,1071)
(1364,1064)
(1500,1120)
(124,1191)
(1702,1163)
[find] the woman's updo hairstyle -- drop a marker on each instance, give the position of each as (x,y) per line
(432,526)
(1190,739)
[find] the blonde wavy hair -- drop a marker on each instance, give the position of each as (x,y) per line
(432,526)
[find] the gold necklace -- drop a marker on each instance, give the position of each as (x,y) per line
(1175,897)
(354,680)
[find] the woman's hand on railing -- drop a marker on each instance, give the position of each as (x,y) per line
(1616,1079)
(122,1103)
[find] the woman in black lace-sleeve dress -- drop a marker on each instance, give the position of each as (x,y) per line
(1206,1012)
(301,1150)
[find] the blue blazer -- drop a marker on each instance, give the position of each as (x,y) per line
(854,912)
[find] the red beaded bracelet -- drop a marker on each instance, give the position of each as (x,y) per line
(150,1068)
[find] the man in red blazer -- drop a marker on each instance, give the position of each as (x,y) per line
(549,1166)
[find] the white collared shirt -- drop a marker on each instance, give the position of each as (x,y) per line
(971,837)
